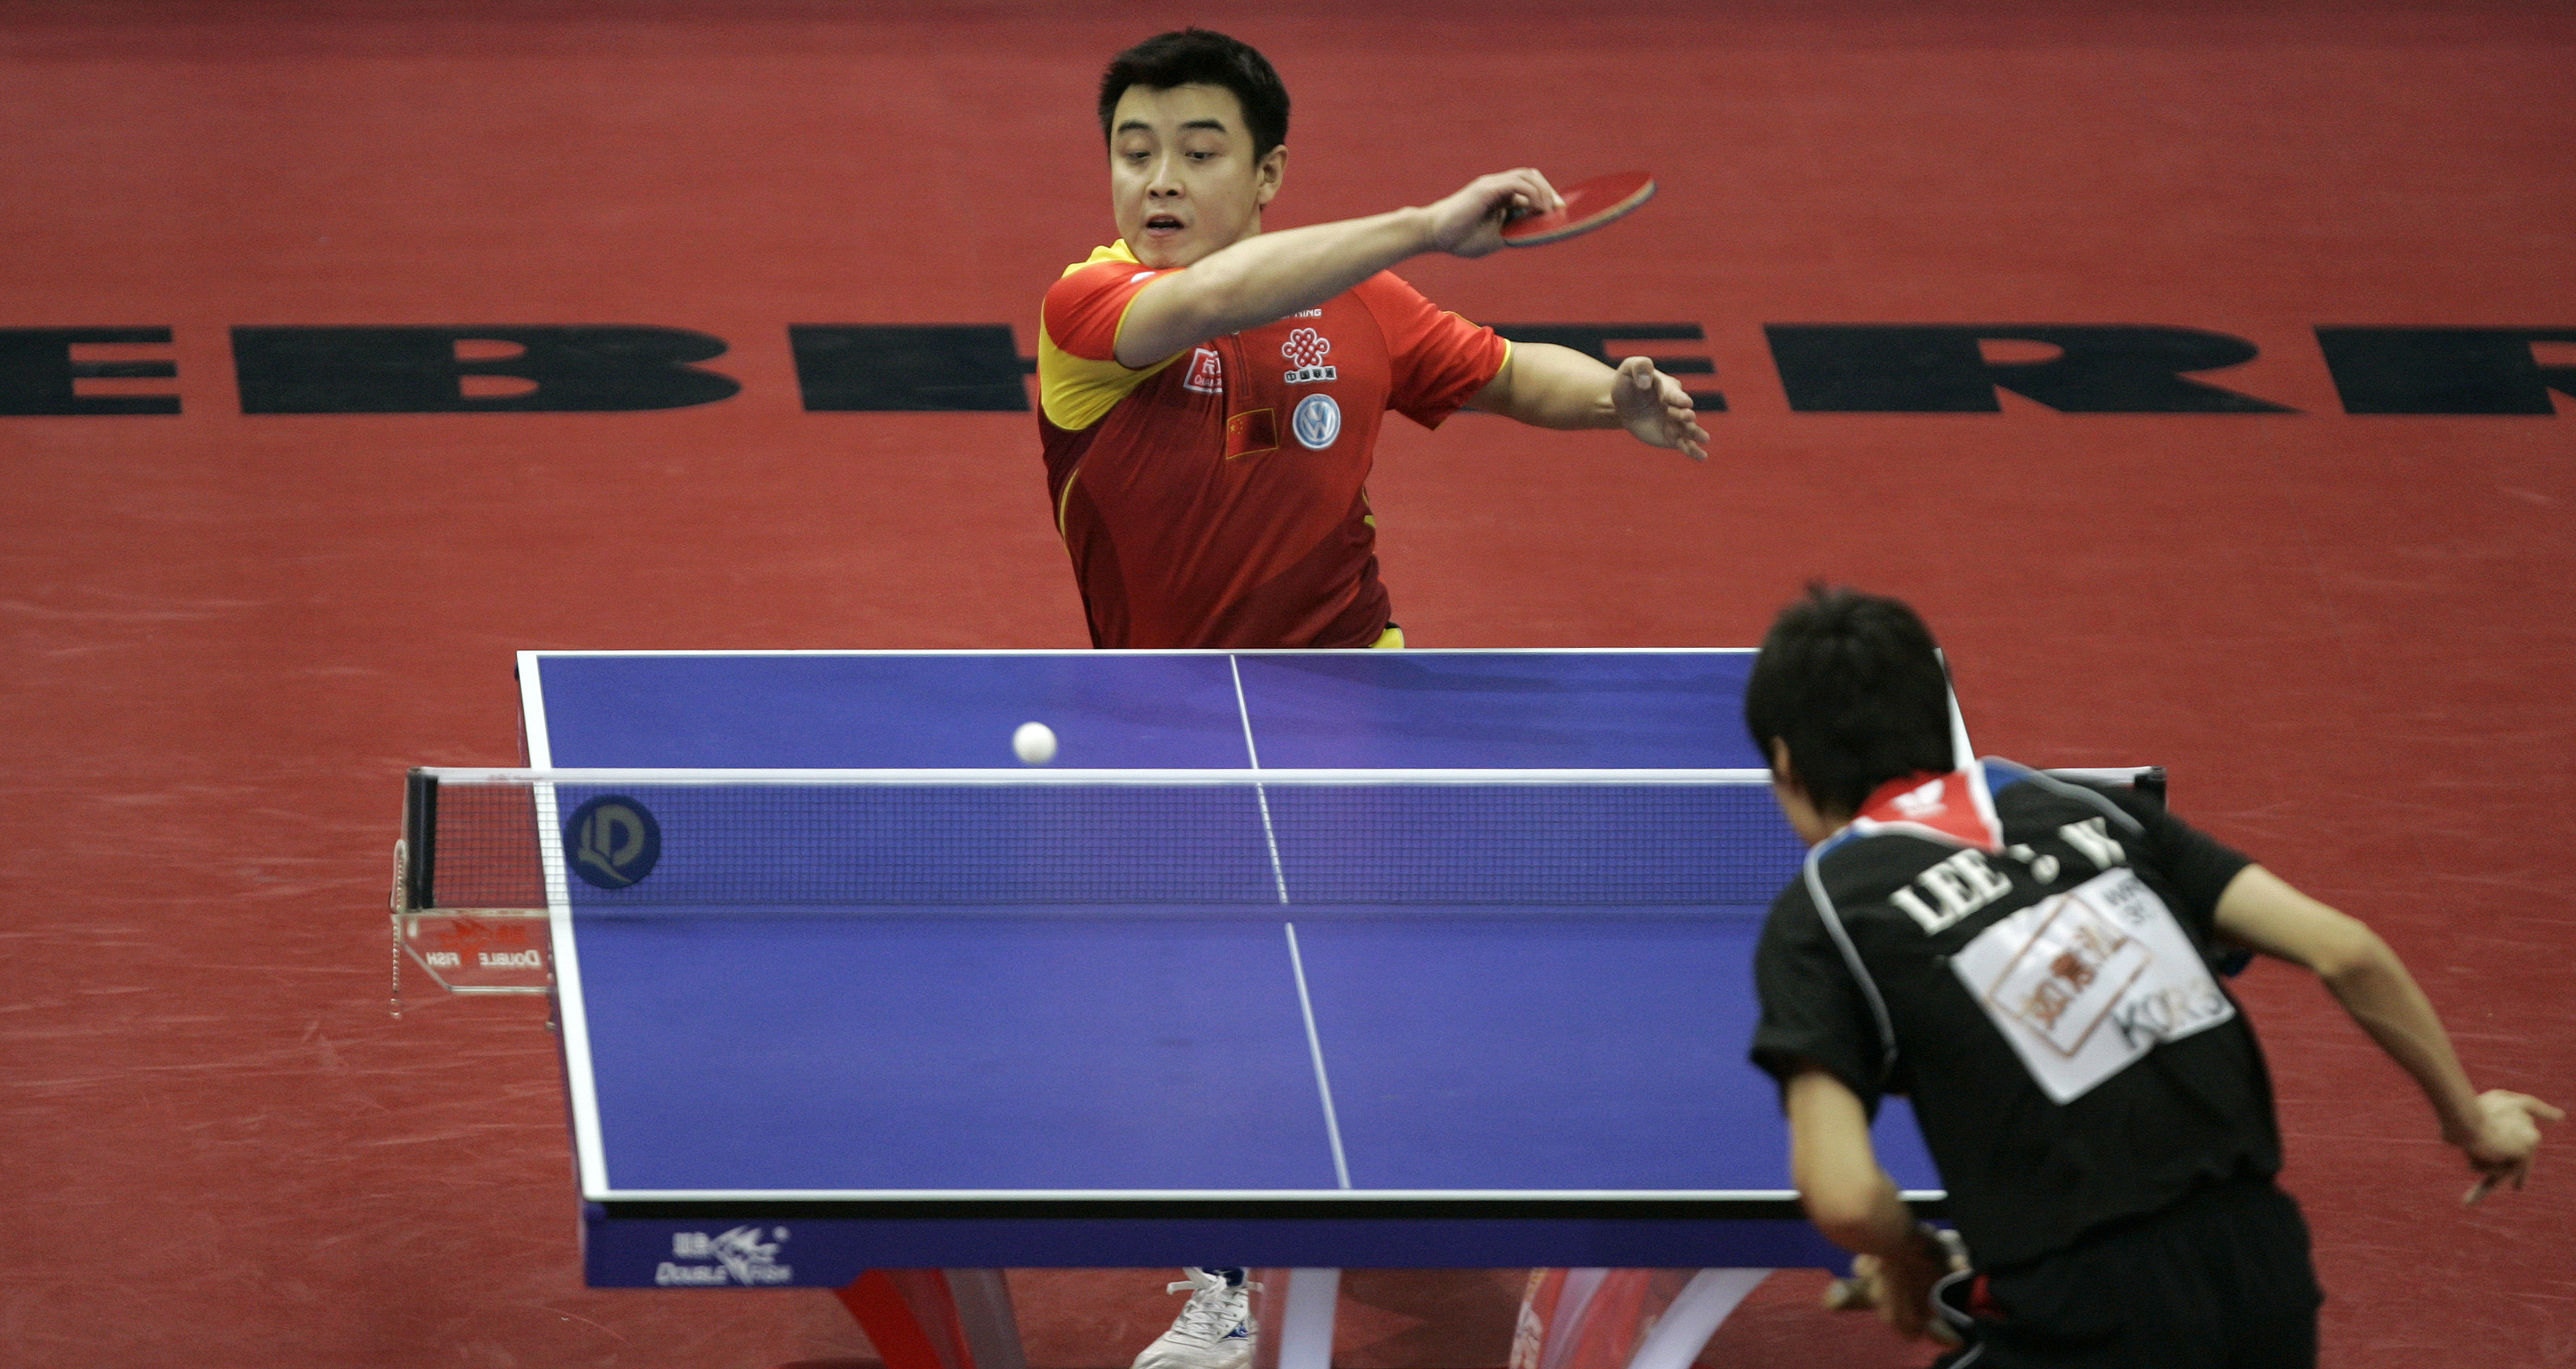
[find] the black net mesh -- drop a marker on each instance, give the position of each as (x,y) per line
(485,848)
(752,845)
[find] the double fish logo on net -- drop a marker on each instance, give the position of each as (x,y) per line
(612,842)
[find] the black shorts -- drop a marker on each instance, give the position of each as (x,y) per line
(2219,1280)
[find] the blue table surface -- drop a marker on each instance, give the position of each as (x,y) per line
(1365,710)
(996,1049)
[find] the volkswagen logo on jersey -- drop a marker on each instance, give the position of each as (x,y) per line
(612,841)
(1317,422)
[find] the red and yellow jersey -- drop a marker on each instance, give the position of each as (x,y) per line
(1216,498)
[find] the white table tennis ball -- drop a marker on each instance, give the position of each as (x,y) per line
(1034,743)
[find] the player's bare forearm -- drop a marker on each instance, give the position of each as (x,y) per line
(1855,1204)
(1836,1171)
(1269,276)
(1263,278)
(1557,387)
(1547,386)
(2497,1130)
(2263,911)
(2374,987)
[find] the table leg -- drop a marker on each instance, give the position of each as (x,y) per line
(962,1318)
(1294,1309)
(937,1318)
(909,1317)
(1554,1316)
(1593,1318)
(1694,1316)
(981,1300)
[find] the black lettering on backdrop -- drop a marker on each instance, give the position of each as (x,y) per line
(1940,369)
(37,371)
(1823,368)
(2444,370)
(575,368)
(1594,339)
(908,367)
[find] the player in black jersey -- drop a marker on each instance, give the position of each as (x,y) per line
(2030,961)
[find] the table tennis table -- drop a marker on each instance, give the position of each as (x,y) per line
(1298,1078)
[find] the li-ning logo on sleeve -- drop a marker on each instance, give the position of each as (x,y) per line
(1206,374)
(1306,350)
(740,1257)
(612,841)
(1317,422)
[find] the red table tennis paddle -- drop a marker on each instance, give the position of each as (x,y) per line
(1587,206)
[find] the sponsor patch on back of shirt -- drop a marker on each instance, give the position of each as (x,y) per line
(2086,982)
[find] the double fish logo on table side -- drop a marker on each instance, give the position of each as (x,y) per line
(615,841)
(740,1255)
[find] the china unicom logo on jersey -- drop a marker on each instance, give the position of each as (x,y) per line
(738,1256)
(1306,350)
(1317,422)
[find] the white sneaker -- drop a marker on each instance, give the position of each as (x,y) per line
(1214,1330)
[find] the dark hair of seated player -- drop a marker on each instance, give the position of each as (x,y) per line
(1203,57)
(1853,683)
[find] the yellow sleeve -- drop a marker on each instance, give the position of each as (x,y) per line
(1079,377)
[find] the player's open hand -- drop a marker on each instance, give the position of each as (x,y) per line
(1655,409)
(2507,1135)
(1470,223)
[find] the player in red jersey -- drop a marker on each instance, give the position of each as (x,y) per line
(1211,393)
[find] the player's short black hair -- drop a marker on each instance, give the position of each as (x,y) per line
(1854,683)
(1203,57)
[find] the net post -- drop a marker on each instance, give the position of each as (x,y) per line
(2151,782)
(412,865)
(402,857)
(420,834)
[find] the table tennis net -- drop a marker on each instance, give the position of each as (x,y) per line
(604,840)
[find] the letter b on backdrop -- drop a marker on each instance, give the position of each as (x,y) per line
(558,369)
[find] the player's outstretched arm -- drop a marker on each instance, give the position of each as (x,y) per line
(1269,276)
(1557,387)
(1854,1203)
(2497,1130)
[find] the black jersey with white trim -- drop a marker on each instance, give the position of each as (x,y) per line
(1854,973)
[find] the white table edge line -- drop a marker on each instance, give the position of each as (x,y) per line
(985,775)
(1180,652)
(1352,1197)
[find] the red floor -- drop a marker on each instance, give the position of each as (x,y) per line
(228,633)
